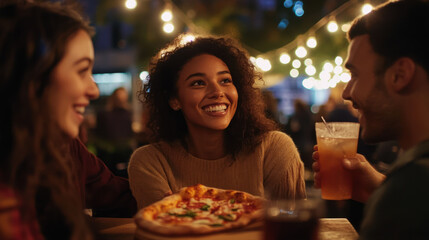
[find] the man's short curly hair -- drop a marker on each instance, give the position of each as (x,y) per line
(249,123)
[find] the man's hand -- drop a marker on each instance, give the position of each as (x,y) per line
(365,178)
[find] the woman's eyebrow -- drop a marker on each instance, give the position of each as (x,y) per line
(223,72)
(82,60)
(195,75)
(198,74)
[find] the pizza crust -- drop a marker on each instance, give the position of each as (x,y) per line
(145,218)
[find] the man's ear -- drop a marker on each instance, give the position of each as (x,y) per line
(174,104)
(402,73)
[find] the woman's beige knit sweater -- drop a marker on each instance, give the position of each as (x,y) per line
(273,170)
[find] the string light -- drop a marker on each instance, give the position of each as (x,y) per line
(329,76)
(324,75)
(168,27)
(366,8)
(310,70)
(321,84)
(285,58)
(301,52)
(338,69)
(167,15)
(332,26)
(294,73)
(296,63)
(308,82)
(338,60)
(328,67)
(345,77)
(311,42)
(131,4)
(345,27)
(263,64)
(308,62)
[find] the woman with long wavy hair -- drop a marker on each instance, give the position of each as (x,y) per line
(46,59)
(210,127)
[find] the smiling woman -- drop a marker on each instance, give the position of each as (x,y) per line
(209,127)
(46,58)
(72,84)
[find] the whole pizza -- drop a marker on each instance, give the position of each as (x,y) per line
(198,210)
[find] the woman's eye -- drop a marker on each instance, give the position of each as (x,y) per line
(197,83)
(227,80)
(83,71)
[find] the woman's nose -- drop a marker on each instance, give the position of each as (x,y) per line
(215,91)
(93,92)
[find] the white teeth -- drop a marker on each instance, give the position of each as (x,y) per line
(80,110)
(216,108)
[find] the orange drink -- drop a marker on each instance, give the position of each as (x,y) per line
(335,143)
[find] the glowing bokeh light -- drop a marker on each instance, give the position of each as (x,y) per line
(167,15)
(283,24)
(311,42)
(324,75)
(308,61)
(332,26)
(301,52)
(168,27)
(345,27)
(143,75)
(294,73)
(310,70)
(338,60)
(299,12)
(263,64)
(296,63)
(328,67)
(308,83)
(288,3)
(366,8)
(345,77)
(321,84)
(285,58)
(338,69)
(131,4)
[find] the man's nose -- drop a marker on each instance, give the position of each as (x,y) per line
(346,92)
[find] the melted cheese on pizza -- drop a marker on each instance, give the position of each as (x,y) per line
(205,211)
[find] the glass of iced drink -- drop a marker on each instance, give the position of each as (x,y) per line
(336,140)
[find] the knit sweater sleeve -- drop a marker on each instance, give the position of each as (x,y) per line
(148,170)
(283,168)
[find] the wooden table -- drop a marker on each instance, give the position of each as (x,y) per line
(125,229)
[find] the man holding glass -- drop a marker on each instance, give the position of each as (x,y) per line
(389,63)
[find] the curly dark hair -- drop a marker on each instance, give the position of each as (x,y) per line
(249,124)
(34,162)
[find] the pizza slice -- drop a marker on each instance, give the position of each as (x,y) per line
(198,210)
